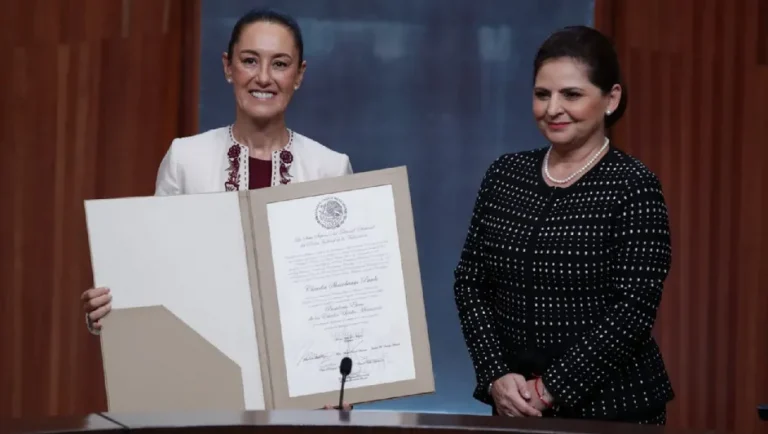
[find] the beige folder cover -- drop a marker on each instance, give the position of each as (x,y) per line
(156,360)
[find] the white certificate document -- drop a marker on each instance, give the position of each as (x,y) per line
(340,290)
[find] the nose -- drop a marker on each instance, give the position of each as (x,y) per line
(262,76)
(554,107)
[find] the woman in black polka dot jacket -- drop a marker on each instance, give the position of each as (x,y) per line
(568,248)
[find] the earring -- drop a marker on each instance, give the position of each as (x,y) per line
(608,113)
(295,87)
(229,80)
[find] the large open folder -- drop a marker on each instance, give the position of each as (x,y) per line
(250,299)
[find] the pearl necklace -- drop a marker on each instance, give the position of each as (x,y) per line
(576,173)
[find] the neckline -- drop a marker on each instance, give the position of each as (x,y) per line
(286,147)
(542,182)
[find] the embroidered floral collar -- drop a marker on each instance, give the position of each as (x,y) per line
(237,155)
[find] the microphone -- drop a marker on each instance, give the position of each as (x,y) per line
(345,368)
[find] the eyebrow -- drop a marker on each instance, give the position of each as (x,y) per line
(565,89)
(255,53)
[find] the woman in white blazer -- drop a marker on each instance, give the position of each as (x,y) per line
(264,64)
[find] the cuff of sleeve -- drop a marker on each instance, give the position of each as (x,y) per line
(89,325)
(483,389)
(495,377)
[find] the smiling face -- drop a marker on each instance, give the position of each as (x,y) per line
(569,109)
(265,70)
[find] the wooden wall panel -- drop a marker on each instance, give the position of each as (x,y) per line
(696,116)
(93,92)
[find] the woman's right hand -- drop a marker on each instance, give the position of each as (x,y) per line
(96,305)
(511,395)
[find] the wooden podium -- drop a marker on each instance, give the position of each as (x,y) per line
(312,422)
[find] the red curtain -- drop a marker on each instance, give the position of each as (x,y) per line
(93,92)
(698,85)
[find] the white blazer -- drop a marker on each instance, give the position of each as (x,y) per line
(200,163)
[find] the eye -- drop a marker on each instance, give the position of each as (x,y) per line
(541,94)
(281,64)
(249,61)
(571,95)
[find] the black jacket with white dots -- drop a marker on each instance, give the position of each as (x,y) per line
(565,283)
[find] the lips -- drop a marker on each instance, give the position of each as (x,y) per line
(558,125)
(262,95)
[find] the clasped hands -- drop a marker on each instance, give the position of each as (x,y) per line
(516,397)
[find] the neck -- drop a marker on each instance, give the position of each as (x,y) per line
(577,153)
(260,138)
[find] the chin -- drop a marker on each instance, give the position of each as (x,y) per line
(561,141)
(262,114)
(558,138)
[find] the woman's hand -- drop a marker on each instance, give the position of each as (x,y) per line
(96,304)
(512,394)
(536,401)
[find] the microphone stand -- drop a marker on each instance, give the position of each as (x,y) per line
(345,368)
(341,394)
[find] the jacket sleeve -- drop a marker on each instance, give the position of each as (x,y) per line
(474,299)
(167,182)
(641,259)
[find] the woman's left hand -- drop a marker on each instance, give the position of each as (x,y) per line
(536,396)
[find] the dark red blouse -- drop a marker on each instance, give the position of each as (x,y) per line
(259,173)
